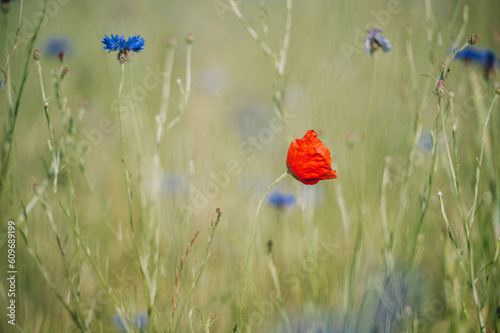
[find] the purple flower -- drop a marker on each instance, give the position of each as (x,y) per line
(374,41)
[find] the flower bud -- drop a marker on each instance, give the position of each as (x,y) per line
(37,55)
(472,39)
(190,38)
(440,88)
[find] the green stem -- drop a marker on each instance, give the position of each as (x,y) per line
(251,245)
(129,189)
(202,267)
(368,112)
(428,188)
(349,287)
(472,212)
(7,149)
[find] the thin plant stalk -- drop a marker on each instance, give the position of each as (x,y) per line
(243,289)
(142,270)
(427,189)
(14,111)
(10,54)
(389,260)
(472,213)
(202,266)
(349,286)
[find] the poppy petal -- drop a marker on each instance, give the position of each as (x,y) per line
(309,160)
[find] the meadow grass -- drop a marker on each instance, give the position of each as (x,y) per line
(139,189)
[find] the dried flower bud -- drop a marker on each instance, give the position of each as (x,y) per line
(440,88)
(472,39)
(497,90)
(64,72)
(61,56)
(37,55)
(190,38)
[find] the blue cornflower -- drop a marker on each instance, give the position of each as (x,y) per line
(174,184)
(124,47)
(374,41)
(485,57)
(139,320)
(281,199)
(57,44)
(115,43)
(425,141)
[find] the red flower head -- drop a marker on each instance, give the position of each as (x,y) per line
(309,160)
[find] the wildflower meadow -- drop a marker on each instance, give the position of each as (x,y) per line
(249,166)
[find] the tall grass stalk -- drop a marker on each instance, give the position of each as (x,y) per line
(162,128)
(14,111)
(140,260)
(202,266)
(273,270)
(472,213)
(178,279)
(278,63)
(441,93)
(348,291)
(388,256)
(11,53)
(76,311)
(247,266)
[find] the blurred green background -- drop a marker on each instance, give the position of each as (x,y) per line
(228,117)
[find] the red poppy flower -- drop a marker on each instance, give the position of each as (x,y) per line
(309,160)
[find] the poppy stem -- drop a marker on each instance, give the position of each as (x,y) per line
(251,245)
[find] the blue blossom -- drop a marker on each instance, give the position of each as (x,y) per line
(57,44)
(425,141)
(174,184)
(139,320)
(281,199)
(482,56)
(116,42)
(1,84)
(374,41)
